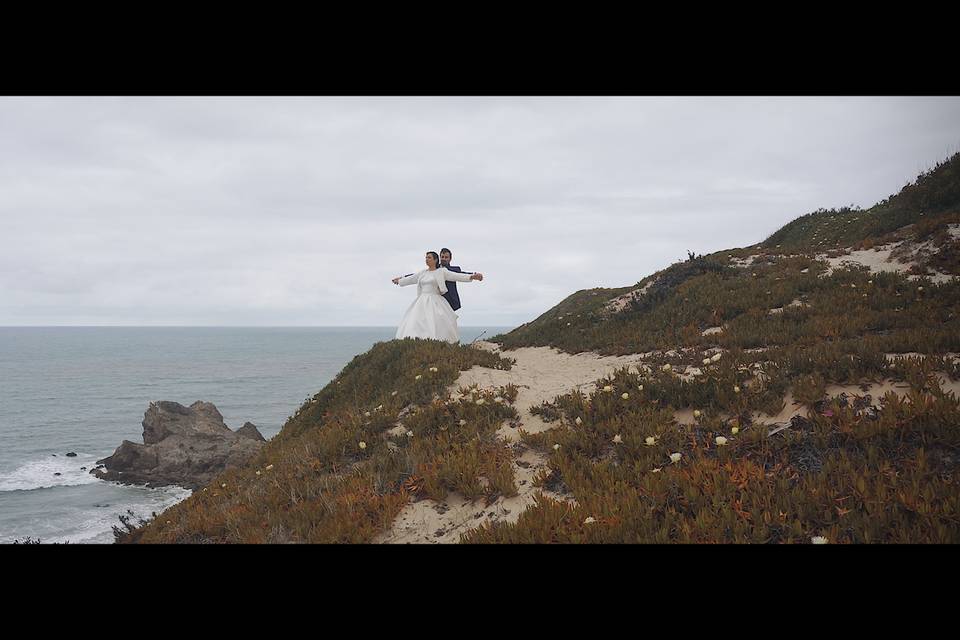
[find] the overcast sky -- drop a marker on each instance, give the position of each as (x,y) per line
(299,211)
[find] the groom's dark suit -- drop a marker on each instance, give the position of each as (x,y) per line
(451,295)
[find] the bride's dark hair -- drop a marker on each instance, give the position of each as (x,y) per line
(436,258)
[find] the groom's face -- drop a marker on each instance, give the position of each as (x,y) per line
(445,258)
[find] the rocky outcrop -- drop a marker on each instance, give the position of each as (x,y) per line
(185,446)
(249,430)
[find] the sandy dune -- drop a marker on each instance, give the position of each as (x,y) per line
(878,259)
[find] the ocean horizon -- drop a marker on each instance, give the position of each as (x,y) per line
(84,389)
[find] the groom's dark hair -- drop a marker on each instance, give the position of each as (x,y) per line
(448,251)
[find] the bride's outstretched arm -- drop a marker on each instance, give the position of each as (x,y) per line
(461,277)
(405,280)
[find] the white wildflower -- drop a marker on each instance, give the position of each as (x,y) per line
(716,357)
(556,447)
(418,377)
(462,422)
(818,540)
(650,441)
(735,430)
(363,445)
(721,441)
(736,389)
(625,396)
(578,421)
(589,520)
(617,439)
(696,413)
(675,457)
(409,434)
(268,467)
(608,389)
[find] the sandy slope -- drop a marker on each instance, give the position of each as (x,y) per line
(884,258)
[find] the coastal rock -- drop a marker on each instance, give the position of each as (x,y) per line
(249,430)
(185,446)
(164,419)
(71,455)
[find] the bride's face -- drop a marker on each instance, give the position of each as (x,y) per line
(430,262)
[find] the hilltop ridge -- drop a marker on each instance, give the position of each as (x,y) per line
(914,232)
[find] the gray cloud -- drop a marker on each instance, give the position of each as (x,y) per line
(298,211)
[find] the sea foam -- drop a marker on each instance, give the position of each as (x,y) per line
(39,473)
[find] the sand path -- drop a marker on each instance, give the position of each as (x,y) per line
(542,374)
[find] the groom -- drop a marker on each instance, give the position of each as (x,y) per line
(451,295)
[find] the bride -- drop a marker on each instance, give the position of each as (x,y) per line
(430,315)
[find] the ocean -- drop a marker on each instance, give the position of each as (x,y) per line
(85,389)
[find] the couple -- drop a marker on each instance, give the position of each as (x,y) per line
(432,314)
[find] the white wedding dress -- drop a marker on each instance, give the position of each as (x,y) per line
(430,315)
